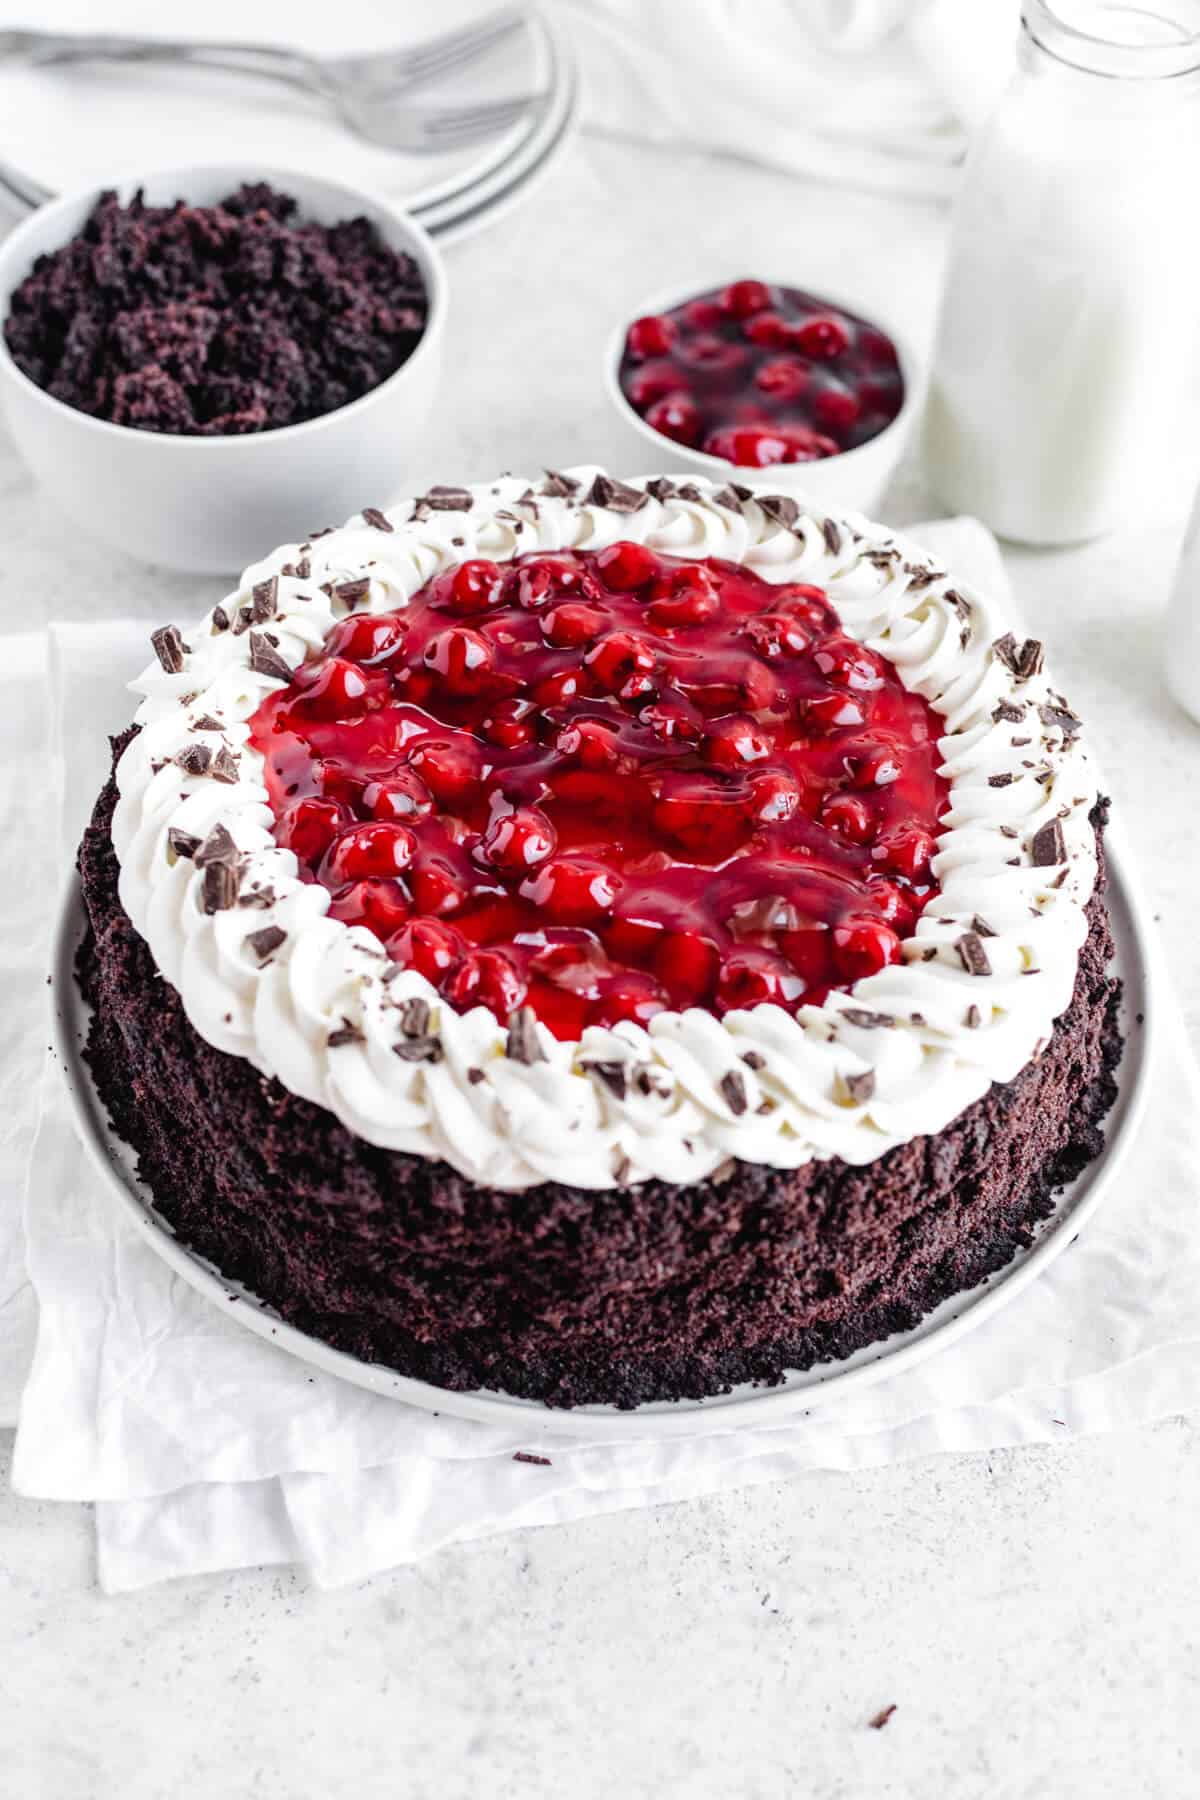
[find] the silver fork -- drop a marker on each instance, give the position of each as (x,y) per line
(361,88)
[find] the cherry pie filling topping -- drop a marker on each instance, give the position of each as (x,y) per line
(602,784)
(762,375)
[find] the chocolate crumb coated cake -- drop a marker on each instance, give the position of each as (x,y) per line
(601,942)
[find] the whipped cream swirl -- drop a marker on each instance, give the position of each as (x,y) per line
(265,974)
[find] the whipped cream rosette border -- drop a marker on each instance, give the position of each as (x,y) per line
(265,974)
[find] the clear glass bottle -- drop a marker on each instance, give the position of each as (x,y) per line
(1063,393)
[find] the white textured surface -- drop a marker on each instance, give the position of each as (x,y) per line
(1031,1613)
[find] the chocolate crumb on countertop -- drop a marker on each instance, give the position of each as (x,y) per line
(881,1717)
(527,1456)
(212,321)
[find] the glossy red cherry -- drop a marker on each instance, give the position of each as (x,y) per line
(510,724)
(836,406)
(619,655)
(573,623)
(461,657)
(677,418)
(713,356)
(654,381)
(848,815)
(518,841)
(863,945)
(783,378)
(672,722)
(836,711)
(382,906)
(898,906)
(821,336)
(338,690)
(626,566)
(429,946)
(754,977)
(562,686)
(309,826)
(365,639)
(703,314)
(743,298)
(776,635)
(592,743)
(687,597)
(477,586)
(651,336)
(774,796)
(875,766)
(542,579)
(761,446)
(401,798)
(438,887)
(847,664)
(375,849)
(766,329)
(486,978)
(686,963)
(631,995)
(735,742)
(572,890)
(451,769)
(906,850)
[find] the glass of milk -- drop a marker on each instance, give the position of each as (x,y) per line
(1063,398)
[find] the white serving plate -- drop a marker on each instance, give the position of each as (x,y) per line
(745,1405)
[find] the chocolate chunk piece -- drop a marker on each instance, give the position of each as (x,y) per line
(351,593)
(264,943)
(617,496)
(194,759)
(206,722)
(733,1086)
(754,1059)
(475,1076)
(661,488)
(523,1045)
(881,1717)
(687,490)
(1001,781)
(372,516)
(1063,718)
(559,487)
(1048,846)
(1022,662)
(218,847)
(972,955)
(220,619)
(414,1017)
(181,843)
(266,660)
(345,1033)
(220,887)
(981,927)
(169,648)
(1011,711)
(974,1018)
(527,1456)
(448,499)
(224,766)
(419,1049)
(832,535)
(867,1020)
(612,1074)
(861,1087)
(264,600)
(781,508)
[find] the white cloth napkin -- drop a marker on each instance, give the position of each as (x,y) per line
(862,93)
(206,1448)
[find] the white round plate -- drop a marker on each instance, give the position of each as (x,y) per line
(744,1405)
(117,109)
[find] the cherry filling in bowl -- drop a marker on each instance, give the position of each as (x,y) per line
(761,375)
(605,784)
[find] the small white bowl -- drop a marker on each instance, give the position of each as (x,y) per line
(854,479)
(209,505)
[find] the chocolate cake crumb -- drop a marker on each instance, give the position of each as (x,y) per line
(215,320)
(169,648)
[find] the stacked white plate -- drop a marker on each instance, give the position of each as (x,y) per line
(61,122)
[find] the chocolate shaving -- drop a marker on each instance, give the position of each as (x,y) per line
(420,1049)
(881,1718)
(194,759)
(725,496)
(623,1171)
(753,1059)
(1048,846)
(264,600)
(1033,657)
(1062,718)
(218,847)
(559,487)
(832,535)
(345,1033)
(661,488)
(527,1456)
(861,1087)
(918,577)
(241,621)
(373,516)
(523,1044)
(688,490)
(257,897)
(974,1018)
(220,619)
(414,1017)
(1001,781)
(733,1086)
(267,661)
(206,722)
(868,1021)
(617,496)
(181,843)
(351,592)
(224,766)
(972,955)
(448,499)
(781,508)
(1013,711)
(220,887)
(981,927)
(1005,649)
(612,1074)
(264,943)
(169,648)
(475,1076)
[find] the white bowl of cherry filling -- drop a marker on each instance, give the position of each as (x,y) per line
(768,386)
(198,361)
